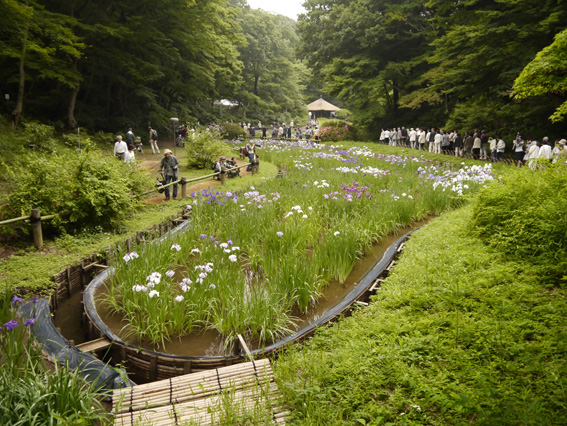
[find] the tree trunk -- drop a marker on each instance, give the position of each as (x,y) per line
(396,95)
(71,120)
(256,78)
(17,113)
(387,93)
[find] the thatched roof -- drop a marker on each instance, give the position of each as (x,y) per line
(322,105)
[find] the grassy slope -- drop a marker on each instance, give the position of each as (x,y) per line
(457,330)
(34,270)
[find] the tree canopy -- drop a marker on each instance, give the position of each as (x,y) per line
(108,65)
(436,63)
(272,76)
(547,75)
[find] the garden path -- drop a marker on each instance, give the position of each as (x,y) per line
(151,162)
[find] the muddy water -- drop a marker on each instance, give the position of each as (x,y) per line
(336,292)
(68,318)
(210,343)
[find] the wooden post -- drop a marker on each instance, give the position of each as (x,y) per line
(245,347)
(153,371)
(35,219)
(68,283)
(222,175)
(183,187)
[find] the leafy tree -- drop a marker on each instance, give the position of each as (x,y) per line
(479,49)
(271,88)
(441,62)
(368,52)
(546,75)
(141,61)
(36,44)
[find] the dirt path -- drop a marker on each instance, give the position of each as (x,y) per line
(151,162)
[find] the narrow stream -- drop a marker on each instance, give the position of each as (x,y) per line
(68,317)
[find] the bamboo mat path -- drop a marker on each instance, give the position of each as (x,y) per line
(204,398)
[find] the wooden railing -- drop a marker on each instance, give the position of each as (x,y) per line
(183,181)
(35,219)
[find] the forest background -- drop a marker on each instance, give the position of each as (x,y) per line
(106,65)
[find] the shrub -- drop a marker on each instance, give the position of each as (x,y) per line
(335,130)
(204,150)
(103,140)
(524,216)
(83,190)
(330,134)
(231,131)
(41,136)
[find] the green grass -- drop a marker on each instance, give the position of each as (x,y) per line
(458,335)
(31,392)
(316,221)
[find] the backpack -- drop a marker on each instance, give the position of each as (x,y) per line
(154,135)
(245,152)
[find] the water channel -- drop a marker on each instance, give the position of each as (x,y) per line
(68,317)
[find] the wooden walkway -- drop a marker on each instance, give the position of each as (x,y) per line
(240,392)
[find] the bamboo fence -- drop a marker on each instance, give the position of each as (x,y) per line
(201,397)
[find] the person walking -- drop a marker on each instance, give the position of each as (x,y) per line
(421,137)
(153,137)
(437,142)
(500,148)
(130,157)
(533,154)
(120,148)
(458,144)
(468,144)
(477,144)
(545,150)
(492,146)
(518,148)
(169,166)
(431,139)
(130,138)
(483,145)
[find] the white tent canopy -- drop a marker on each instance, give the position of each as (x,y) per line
(226,103)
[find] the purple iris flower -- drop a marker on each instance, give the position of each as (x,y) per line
(10,325)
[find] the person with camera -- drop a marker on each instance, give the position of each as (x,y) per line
(169,166)
(250,147)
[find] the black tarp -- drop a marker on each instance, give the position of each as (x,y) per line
(58,349)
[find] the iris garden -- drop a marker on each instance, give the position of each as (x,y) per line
(251,261)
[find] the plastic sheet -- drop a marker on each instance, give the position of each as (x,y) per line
(58,349)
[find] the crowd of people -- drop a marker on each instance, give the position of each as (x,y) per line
(282,130)
(476,144)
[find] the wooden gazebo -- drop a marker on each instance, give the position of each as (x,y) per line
(321,108)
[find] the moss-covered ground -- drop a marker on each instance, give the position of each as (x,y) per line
(459,334)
